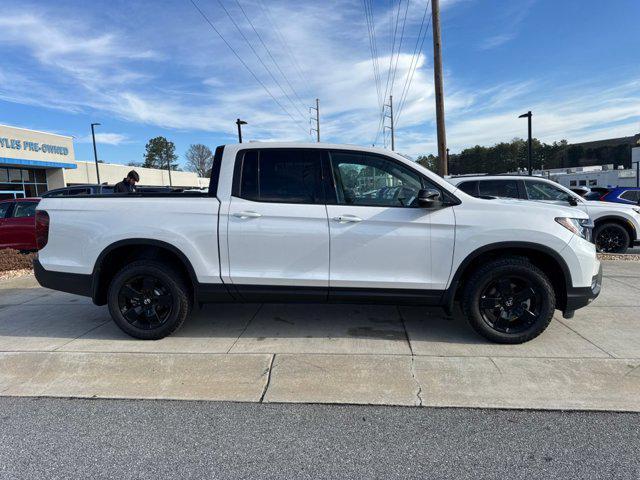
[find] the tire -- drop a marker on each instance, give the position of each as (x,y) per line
(611,238)
(148,300)
(496,293)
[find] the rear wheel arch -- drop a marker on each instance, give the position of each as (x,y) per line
(546,259)
(124,252)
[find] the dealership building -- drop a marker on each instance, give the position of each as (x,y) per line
(32,162)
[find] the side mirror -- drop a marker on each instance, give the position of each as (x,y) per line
(429,198)
(572,201)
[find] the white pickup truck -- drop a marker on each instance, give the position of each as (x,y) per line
(319,223)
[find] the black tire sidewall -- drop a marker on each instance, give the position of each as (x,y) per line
(624,232)
(484,276)
(170,279)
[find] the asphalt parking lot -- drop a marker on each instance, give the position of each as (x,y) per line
(60,345)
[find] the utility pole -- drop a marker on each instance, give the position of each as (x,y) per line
(528,116)
(439,87)
(390,116)
(169,168)
(95,152)
(240,123)
(317,120)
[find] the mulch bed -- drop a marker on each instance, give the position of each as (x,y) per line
(13,263)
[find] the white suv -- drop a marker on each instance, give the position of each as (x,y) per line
(616,226)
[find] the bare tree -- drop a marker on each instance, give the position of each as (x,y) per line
(199,159)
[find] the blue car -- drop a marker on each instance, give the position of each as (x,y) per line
(627,195)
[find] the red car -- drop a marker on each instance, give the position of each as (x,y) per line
(17,223)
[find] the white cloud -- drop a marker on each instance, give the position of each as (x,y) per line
(106,139)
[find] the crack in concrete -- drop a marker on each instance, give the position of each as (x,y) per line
(245,327)
(633,369)
(418,386)
(413,360)
(268,372)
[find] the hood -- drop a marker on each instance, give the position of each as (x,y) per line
(525,206)
(612,206)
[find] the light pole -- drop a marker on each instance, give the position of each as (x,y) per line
(95,152)
(240,123)
(528,115)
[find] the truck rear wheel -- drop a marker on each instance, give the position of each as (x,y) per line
(508,300)
(148,300)
(611,238)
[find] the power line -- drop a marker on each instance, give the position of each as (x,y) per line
(269,53)
(417,50)
(204,16)
(393,48)
(395,68)
(286,47)
(368,10)
(250,45)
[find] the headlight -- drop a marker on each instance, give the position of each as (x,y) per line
(580,226)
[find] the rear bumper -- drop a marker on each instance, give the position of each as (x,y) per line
(583,296)
(75,283)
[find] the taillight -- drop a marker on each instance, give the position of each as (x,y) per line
(42,229)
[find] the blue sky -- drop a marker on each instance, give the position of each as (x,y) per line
(143,69)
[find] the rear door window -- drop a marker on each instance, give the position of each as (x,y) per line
(25,209)
(499,188)
(470,188)
(280,176)
(631,195)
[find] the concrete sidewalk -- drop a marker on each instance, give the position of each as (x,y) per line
(55,344)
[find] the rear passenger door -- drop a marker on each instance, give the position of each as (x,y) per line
(278,236)
(19,229)
(5,211)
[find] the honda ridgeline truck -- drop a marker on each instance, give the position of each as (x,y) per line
(319,223)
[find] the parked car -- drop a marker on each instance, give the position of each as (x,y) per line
(79,190)
(17,223)
(625,195)
(616,227)
(284,222)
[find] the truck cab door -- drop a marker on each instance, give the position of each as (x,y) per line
(382,241)
(277,231)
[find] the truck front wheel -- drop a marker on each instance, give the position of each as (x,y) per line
(508,300)
(148,300)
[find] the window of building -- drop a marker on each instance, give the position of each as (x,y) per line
(593,183)
(583,183)
(29,182)
(499,188)
(284,176)
(372,180)
(573,183)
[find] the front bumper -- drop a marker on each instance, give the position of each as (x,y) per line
(583,296)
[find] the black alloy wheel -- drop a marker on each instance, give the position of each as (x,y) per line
(508,300)
(612,238)
(145,302)
(149,300)
(510,304)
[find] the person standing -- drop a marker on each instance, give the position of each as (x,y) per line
(128,184)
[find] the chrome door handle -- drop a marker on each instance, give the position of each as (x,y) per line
(247,214)
(347,219)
